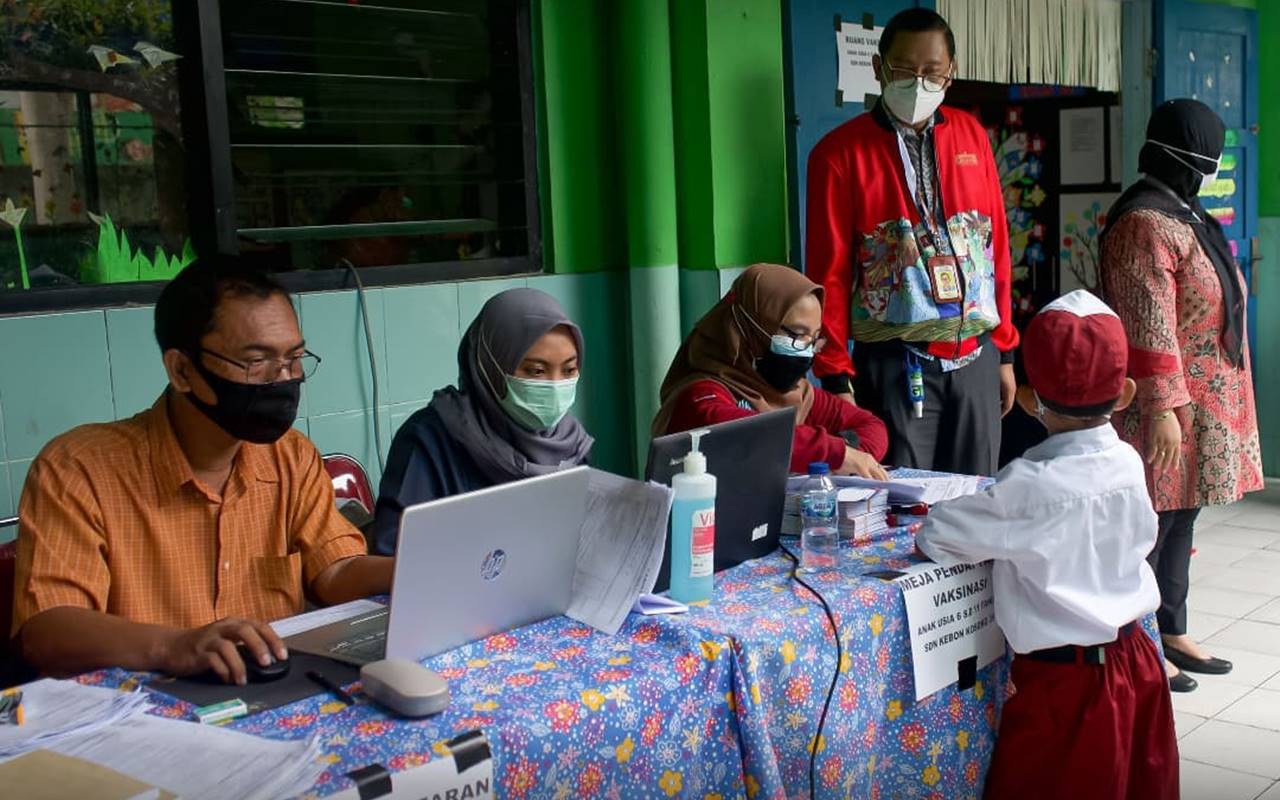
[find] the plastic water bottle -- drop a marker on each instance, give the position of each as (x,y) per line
(820,538)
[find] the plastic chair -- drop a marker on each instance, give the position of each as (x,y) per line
(350,481)
(9,670)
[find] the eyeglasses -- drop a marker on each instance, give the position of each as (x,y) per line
(267,370)
(800,341)
(903,78)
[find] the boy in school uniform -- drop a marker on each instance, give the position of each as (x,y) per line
(1069,526)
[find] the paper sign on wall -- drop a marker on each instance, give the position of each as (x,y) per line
(952,615)
(855,45)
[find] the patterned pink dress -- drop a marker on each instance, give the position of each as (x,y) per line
(1165,289)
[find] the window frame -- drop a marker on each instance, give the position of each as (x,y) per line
(211,195)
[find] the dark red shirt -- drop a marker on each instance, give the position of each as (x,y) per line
(817,438)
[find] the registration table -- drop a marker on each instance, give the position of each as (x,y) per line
(721,702)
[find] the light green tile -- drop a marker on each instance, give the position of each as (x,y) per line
(472,295)
(397,414)
(334,330)
(54,375)
(423,331)
(1266,357)
(351,432)
(654,333)
(301,424)
(727,276)
(137,373)
(699,291)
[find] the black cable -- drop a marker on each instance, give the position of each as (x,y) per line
(835,678)
(373,361)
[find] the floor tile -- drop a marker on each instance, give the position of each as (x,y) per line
(1249,669)
(1235,535)
(1261,560)
(1271,794)
(1185,723)
(1237,747)
(1217,514)
(1207,782)
(1258,709)
(1220,553)
(1200,570)
(1263,518)
(1201,625)
(1209,698)
(1243,580)
(1255,637)
(1225,602)
(1269,613)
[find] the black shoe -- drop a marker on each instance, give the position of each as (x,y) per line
(1182,682)
(1203,666)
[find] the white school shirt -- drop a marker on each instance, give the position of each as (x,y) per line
(1069,526)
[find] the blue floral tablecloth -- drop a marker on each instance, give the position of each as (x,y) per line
(721,702)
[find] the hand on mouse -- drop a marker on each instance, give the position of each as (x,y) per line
(213,648)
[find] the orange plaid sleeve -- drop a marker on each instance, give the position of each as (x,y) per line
(61,546)
(318,531)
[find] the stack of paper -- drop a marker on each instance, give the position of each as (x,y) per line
(863,513)
(56,710)
(200,762)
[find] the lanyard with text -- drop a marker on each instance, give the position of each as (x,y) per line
(944,270)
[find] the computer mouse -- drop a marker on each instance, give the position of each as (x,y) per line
(255,672)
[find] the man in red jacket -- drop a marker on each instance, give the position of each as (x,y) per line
(907,234)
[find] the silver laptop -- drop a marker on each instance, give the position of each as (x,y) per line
(469,566)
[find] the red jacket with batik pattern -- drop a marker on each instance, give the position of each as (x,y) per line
(861,241)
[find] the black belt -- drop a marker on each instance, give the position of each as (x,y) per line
(1095,654)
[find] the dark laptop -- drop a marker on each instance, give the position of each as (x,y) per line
(751,459)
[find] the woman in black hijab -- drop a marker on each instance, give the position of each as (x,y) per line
(1170,274)
(507,419)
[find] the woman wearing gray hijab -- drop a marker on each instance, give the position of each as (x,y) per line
(507,418)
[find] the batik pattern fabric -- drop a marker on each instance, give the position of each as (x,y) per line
(1165,290)
(721,702)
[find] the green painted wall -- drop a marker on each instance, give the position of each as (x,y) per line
(1269,112)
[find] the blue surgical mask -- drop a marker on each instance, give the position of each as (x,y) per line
(536,404)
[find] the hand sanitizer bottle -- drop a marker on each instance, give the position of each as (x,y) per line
(693,528)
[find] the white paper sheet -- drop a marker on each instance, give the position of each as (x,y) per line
(949,487)
(952,617)
(1082,154)
(900,491)
(200,762)
(655,604)
(290,626)
(56,709)
(855,77)
(620,549)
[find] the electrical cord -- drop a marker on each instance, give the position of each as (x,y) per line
(835,678)
(373,362)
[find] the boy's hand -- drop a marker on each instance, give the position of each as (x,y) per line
(1164,448)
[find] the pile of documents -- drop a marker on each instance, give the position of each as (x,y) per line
(862,513)
(111,728)
(56,710)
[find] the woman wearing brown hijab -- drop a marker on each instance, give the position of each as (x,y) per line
(750,354)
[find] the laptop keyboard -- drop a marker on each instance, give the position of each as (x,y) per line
(365,647)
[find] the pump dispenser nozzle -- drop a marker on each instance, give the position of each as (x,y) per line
(695,463)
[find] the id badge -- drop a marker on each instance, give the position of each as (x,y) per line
(944,278)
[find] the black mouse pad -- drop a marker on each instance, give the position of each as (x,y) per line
(205,691)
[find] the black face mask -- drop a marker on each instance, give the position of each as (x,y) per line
(783,372)
(253,412)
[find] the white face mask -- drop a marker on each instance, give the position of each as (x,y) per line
(911,103)
(1206,178)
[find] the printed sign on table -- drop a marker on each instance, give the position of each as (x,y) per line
(466,773)
(952,616)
